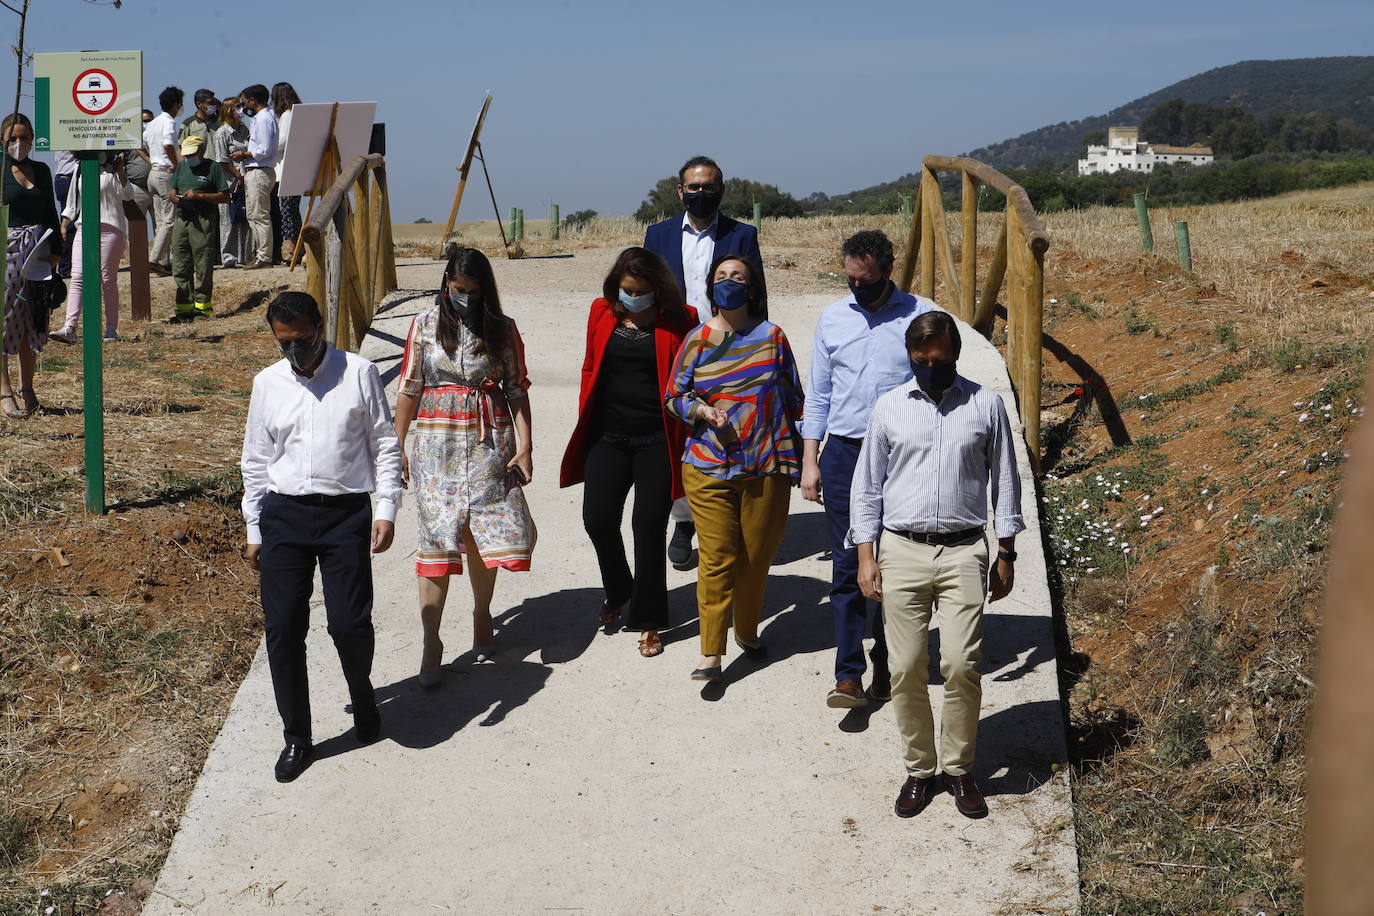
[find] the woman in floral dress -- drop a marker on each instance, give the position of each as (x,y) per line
(463,385)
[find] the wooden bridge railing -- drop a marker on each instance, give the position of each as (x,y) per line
(1019,260)
(351,268)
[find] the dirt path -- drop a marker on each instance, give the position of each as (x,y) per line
(572,775)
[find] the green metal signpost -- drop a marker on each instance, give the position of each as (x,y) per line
(90,103)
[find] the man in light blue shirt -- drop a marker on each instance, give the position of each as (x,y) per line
(859,353)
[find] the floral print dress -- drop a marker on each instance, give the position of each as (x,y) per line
(464,435)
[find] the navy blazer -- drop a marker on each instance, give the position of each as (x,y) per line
(732,237)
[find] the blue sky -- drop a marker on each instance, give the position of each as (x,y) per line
(595,101)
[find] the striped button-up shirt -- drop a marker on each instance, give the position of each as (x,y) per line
(928,467)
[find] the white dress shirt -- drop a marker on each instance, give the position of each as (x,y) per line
(927,468)
(698,248)
(161,132)
(262,140)
(329,434)
(283,136)
(113,193)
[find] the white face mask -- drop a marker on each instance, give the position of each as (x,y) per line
(193,161)
(19,149)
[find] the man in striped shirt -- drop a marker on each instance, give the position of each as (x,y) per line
(933,450)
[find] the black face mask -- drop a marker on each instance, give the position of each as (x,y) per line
(702,204)
(301,353)
(868,295)
(933,379)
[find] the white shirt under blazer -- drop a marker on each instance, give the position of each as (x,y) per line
(329,434)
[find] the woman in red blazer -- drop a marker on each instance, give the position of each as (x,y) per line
(625,439)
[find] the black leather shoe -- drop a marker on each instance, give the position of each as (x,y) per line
(967,798)
(914,797)
(293,761)
(367,724)
(680,545)
(756,653)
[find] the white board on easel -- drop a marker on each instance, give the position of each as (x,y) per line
(309,134)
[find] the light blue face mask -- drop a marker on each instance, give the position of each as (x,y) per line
(637,304)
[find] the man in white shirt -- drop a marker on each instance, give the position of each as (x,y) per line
(689,244)
(160,136)
(319,439)
(258,164)
(936,448)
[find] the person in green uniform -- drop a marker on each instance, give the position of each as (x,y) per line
(198,187)
(203,123)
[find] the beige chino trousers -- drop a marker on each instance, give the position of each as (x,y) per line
(919,582)
(257,199)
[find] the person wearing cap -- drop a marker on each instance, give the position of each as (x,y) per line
(197,188)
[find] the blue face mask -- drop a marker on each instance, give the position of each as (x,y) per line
(637,304)
(933,378)
(729,294)
(868,295)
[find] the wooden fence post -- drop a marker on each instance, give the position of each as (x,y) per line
(928,235)
(913,244)
(553,221)
(968,249)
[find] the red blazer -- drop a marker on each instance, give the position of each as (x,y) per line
(669,331)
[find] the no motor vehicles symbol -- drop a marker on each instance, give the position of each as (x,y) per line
(94,92)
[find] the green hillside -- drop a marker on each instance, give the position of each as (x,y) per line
(1340,86)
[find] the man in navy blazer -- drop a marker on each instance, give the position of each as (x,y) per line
(689,243)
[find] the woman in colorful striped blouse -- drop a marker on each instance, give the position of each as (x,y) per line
(736,386)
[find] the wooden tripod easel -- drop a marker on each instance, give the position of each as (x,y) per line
(474,151)
(331,167)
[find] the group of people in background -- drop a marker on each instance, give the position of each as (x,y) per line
(687,390)
(213,187)
(208,185)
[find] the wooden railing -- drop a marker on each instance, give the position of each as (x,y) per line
(351,268)
(1019,260)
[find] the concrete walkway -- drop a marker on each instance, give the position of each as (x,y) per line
(570,775)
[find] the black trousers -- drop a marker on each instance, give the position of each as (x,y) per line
(614,465)
(297,533)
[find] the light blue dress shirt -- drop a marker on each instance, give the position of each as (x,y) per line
(856,356)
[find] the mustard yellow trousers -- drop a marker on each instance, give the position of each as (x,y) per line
(739,527)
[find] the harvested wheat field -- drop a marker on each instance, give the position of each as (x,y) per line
(1194,431)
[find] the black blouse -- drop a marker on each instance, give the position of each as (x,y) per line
(31,206)
(629,401)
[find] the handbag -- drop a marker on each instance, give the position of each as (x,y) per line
(238,209)
(45,296)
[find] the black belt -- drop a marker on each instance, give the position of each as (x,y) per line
(849,440)
(324,499)
(937,539)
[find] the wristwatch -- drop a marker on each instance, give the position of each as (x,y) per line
(1008,555)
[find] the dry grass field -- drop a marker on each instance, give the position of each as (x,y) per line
(1194,429)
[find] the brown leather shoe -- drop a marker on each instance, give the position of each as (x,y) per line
(914,797)
(967,798)
(846,695)
(256,265)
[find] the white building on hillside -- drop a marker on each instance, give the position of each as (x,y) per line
(1125,150)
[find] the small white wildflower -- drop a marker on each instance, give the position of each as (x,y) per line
(1302,418)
